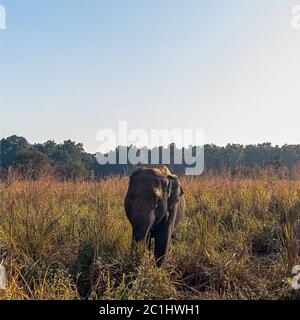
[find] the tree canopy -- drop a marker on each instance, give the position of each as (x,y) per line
(69,160)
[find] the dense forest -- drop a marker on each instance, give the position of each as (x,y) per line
(70,161)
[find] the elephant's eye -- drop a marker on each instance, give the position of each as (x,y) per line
(156,200)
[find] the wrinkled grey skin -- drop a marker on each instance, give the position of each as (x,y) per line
(154,205)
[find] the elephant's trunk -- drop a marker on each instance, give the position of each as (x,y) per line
(142,221)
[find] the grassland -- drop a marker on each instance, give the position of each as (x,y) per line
(71,240)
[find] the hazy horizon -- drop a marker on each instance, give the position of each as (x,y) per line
(71,68)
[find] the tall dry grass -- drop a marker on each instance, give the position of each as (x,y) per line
(71,240)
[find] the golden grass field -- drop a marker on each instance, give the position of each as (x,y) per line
(71,240)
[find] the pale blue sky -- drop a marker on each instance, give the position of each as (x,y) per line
(72,67)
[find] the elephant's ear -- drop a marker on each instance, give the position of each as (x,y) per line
(175,191)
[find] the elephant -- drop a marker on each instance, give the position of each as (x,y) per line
(154,206)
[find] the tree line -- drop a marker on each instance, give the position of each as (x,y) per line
(69,160)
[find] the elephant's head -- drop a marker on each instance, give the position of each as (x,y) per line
(152,195)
